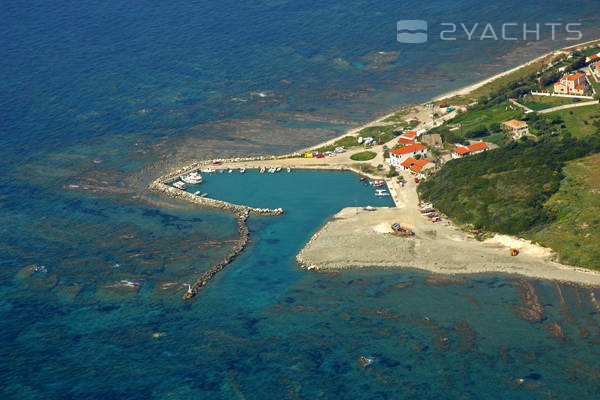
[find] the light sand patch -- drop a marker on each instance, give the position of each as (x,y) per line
(525,247)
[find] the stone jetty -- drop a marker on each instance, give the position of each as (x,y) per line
(239,246)
(242,212)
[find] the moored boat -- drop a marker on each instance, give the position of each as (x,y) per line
(369,208)
(381,192)
(193,178)
(364,178)
(242,170)
(289,169)
(262,170)
(179,185)
(207,170)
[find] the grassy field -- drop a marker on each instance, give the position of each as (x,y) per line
(537,103)
(575,234)
(488,116)
(499,139)
(380,133)
(346,142)
(400,116)
(580,120)
(363,156)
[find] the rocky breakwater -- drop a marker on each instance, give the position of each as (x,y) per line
(242,213)
(239,246)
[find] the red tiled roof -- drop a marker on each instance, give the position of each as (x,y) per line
(572,77)
(579,87)
(409,134)
(598,64)
(594,57)
(415,165)
(461,150)
(477,146)
(408,149)
(470,148)
(405,141)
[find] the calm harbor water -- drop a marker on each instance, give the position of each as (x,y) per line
(98,98)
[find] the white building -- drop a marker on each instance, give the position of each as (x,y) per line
(398,156)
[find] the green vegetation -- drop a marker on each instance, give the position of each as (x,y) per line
(505,190)
(579,121)
(380,133)
(363,156)
(537,103)
(398,117)
(485,117)
(575,232)
(346,142)
(392,172)
(498,139)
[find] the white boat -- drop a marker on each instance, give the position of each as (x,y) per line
(277,169)
(382,192)
(192,178)
(179,185)
(207,170)
(369,208)
(197,193)
(242,170)
(289,170)
(271,170)
(230,170)
(262,170)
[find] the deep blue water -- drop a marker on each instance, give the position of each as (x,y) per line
(97,98)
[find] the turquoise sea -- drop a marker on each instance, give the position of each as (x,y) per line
(98,98)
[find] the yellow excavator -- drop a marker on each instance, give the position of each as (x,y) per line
(514,252)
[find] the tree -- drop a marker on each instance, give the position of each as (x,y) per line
(392,172)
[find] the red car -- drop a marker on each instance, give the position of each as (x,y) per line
(321,156)
(379,143)
(217,163)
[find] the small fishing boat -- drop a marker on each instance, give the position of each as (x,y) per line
(369,208)
(364,178)
(377,182)
(289,170)
(262,170)
(221,170)
(197,193)
(193,178)
(271,170)
(179,185)
(381,192)
(242,170)
(278,169)
(207,170)
(230,170)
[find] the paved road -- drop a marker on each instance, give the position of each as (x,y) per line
(566,106)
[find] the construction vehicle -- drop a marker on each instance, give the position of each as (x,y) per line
(403,231)
(514,252)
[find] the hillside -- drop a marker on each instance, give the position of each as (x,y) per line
(506,190)
(575,232)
